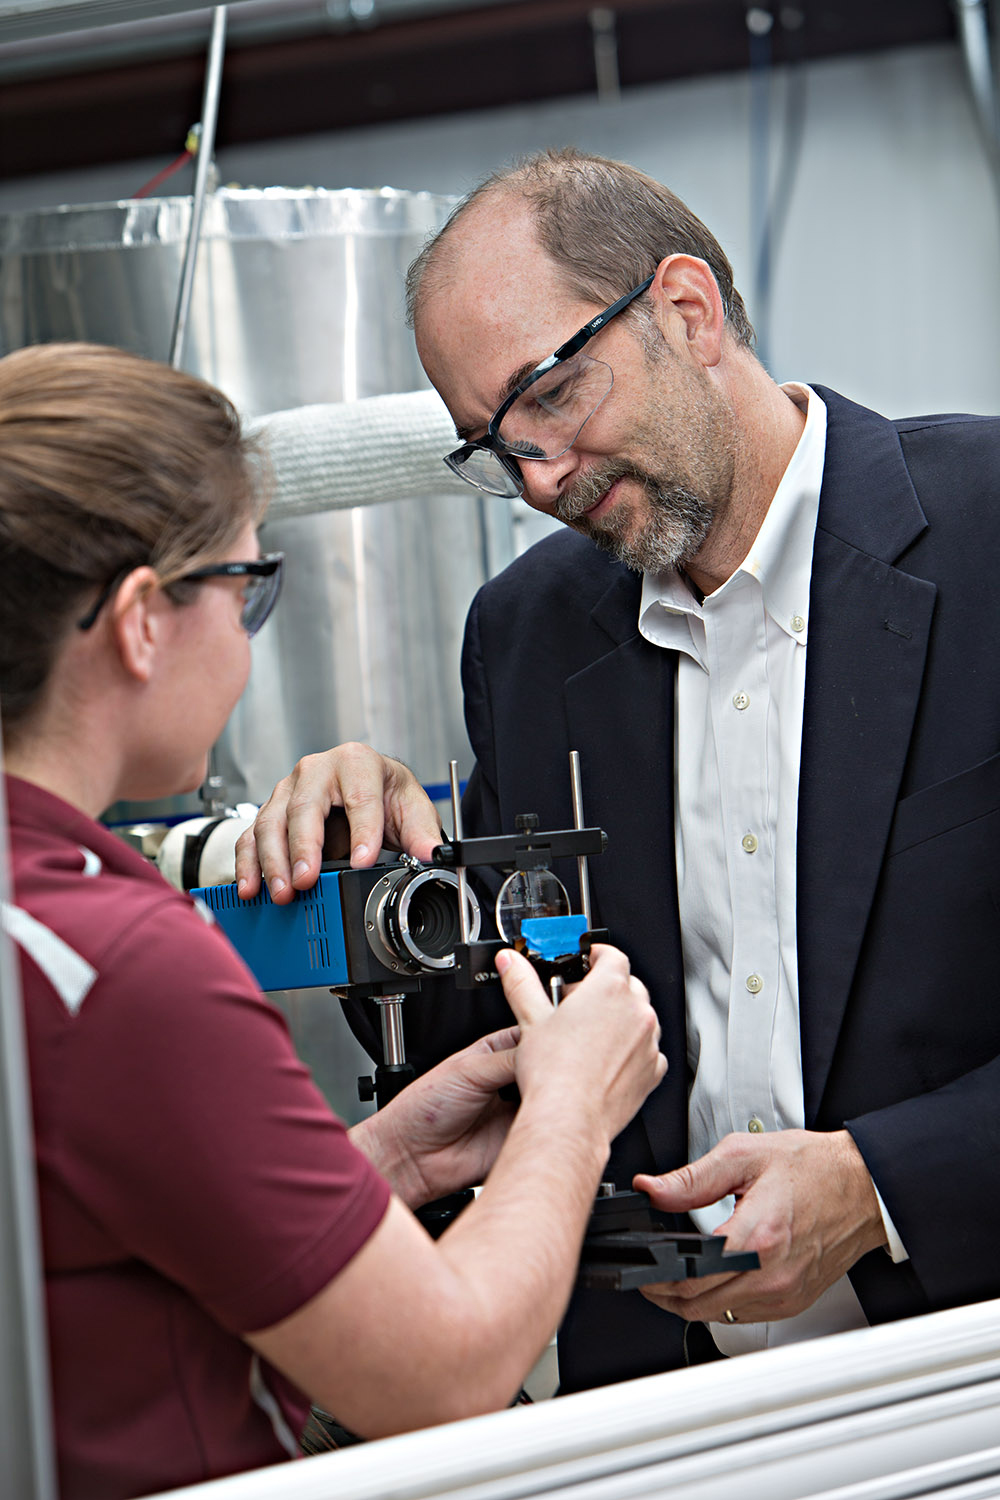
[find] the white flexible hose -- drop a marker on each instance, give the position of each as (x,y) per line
(353,453)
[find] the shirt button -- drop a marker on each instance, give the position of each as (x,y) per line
(750,843)
(755,1125)
(797,623)
(754,984)
(741,700)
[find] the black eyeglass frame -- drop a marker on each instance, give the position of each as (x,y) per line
(491,441)
(260,567)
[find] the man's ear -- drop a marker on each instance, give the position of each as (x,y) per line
(136,622)
(688,302)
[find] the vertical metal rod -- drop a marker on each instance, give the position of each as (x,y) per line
(390,1009)
(760,23)
(206,149)
(982,71)
(605,38)
(556,988)
(463,881)
(27,1462)
(214,793)
(576,786)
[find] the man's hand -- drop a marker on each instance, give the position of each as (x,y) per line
(384,803)
(443,1132)
(804,1201)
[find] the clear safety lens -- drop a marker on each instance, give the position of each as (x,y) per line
(529,893)
(546,418)
(486,470)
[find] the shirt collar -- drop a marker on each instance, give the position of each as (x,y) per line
(780,557)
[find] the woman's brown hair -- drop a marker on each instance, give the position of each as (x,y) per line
(108,461)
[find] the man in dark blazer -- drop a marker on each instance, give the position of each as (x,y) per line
(898,829)
(888,1170)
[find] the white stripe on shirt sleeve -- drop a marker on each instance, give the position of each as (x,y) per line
(70,975)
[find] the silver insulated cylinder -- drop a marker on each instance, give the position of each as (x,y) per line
(298,299)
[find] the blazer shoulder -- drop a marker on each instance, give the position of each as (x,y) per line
(563,572)
(964,425)
(953,461)
(888,484)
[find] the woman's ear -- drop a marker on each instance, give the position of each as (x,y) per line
(136,612)
(687,297)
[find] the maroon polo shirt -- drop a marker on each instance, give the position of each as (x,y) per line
(193,1183)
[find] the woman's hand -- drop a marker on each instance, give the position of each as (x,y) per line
(444,1130)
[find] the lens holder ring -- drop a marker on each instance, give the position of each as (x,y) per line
(388,912)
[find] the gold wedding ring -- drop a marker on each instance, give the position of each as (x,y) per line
(729,1316)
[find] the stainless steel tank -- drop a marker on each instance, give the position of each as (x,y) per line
(298,299)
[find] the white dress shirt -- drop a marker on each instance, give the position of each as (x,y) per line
(741,673)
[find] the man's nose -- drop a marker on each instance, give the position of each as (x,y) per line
(546,479)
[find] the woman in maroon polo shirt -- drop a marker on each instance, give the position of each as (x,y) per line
(219,1249)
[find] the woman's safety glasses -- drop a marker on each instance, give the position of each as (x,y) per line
(260,592)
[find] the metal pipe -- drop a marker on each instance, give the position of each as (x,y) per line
(605,38)
(214,792)
(576,786)
(27,1464)
(390,1009)
(465,929)
(206,148)
(973,28)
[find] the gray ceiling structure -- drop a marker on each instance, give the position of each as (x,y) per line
(91,81)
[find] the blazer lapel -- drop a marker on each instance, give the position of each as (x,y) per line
(869,625)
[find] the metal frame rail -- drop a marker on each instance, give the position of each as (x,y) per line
(907,1409)
(27,1466)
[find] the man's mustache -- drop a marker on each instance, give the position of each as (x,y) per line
(591,487)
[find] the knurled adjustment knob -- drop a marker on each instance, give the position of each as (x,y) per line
(525,822)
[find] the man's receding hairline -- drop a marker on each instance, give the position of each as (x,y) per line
(442,251)
(571,197)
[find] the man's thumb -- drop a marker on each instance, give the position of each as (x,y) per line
(694,1186)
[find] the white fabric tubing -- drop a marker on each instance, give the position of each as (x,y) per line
(352,453)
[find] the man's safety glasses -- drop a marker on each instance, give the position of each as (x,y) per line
(544,414)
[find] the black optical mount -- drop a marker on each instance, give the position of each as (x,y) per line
(628,1245)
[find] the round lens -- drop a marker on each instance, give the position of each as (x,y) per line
(529,893)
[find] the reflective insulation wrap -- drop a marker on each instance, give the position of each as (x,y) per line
(298,301)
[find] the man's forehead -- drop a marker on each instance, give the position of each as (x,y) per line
(478,366)
(489,320)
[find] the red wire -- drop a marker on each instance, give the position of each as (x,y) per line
(154,182)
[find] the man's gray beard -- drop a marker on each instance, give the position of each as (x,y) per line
(677,523)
